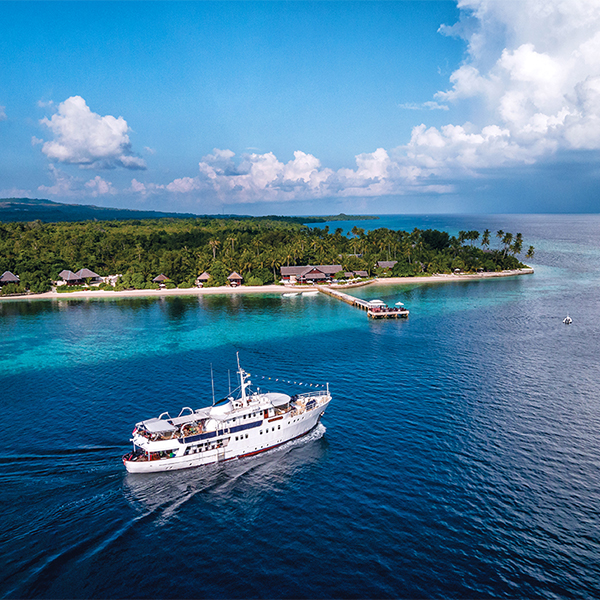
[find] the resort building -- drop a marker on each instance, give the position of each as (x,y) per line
(111,279)
(8,277)
(160,278)
(309,273)
(386,264)
(235,279)
(69,278)
(87,274)
(202,279)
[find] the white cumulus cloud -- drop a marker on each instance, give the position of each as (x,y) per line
(100,187)
(531,77)
(535,67)
(67,186)
(85,138)
(264,178)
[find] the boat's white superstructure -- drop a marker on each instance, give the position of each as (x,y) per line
(233,428)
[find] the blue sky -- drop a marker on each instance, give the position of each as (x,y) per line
(303,107)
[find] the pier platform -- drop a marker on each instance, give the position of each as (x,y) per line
(376,309)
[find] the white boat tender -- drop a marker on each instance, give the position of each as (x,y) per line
(233,428)
(567,320)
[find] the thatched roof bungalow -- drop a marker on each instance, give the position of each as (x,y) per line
(235,279)
(88,274)
(8,277)
(202,279)
(70,278)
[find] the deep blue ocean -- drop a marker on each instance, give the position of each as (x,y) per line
(460,457)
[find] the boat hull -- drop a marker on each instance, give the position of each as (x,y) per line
(271,434)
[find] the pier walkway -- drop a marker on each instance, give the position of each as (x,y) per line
(380,311)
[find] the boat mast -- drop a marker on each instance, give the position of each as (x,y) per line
(243,383)
(212,383)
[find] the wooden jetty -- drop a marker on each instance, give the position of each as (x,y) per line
(379,311)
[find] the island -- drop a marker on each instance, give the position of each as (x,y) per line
(235,253)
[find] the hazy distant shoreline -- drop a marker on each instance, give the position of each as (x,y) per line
(262,289)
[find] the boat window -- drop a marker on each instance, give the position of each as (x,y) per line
(246,436)
(278,426)
(261,432)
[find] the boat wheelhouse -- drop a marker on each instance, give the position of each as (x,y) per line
(233,428)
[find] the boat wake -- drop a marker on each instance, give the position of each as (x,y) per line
(162,495)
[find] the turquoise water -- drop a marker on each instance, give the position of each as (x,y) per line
(459,457)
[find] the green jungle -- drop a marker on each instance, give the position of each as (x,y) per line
(256,248)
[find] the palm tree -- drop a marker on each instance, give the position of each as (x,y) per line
(500,234)
(507,240)
(289,254)
(232,240)
(257,243)
(485,239)
(530,252)
(275,262)
(518,245)
(214,244)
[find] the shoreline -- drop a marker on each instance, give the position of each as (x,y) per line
(446,278)
(258,289)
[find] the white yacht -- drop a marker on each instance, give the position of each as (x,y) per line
(233,428)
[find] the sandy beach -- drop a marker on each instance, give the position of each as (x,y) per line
(447,278)
(263,289)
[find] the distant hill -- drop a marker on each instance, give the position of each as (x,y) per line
(27,209)
(47,211)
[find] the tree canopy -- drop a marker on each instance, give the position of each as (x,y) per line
(256,248)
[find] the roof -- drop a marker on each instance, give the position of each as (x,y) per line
(287,271)
(348,274)
(313,274)
(386,264)
(235,275)
(84,273)
(361,273)
(159,278)
(277,399)
(204,277)
(302,270)
(155,425)
(8,277)
(67,275)
(330,269)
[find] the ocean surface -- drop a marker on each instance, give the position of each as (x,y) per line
(460,457)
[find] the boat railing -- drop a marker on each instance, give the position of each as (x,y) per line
(310,395)
(184,408)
